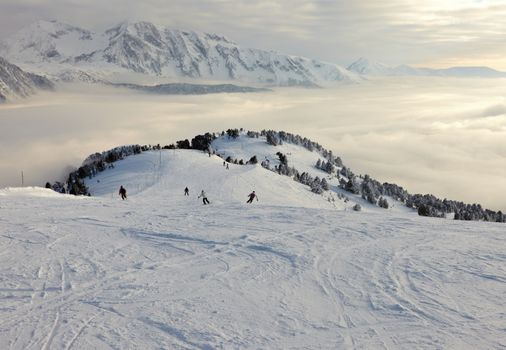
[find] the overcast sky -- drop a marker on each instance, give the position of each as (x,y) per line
(436,33)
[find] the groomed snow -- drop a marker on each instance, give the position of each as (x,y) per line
(291,271)
(34,192)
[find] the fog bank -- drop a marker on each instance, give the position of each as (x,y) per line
(431,135)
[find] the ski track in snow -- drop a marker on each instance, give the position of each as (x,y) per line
(163,271)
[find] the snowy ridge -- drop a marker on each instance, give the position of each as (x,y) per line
(161,270)
(155,172)
(142,47)
(311,164)
(301,160)
(16,83)
(240,150)
(366,67)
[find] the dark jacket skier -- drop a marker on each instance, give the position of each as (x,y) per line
(186,191)
(204,197)
(252,196)
(122,192)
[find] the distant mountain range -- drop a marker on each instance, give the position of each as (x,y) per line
(16,83)
(70,53)
(366,67)
(187,60)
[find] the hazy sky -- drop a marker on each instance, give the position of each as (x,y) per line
(436,33)
(431,135)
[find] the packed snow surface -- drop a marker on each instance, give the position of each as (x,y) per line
(291,271)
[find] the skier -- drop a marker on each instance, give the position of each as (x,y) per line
(204,197)
(252,196)
(122,192)
(186,191)
(227,166)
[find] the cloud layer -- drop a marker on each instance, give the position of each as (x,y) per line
(430,135)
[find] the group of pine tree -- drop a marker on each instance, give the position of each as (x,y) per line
(369,189)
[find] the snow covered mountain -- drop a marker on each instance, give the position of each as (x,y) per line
(53,47)
(16,83)
(366,67)
(290,271)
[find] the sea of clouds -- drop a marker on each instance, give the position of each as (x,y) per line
(431,135)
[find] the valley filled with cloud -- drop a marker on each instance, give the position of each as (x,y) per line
(443,136)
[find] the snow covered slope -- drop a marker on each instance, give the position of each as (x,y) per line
(141,47)
(366,67)
(16,83)
(168,172)
(161,270)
